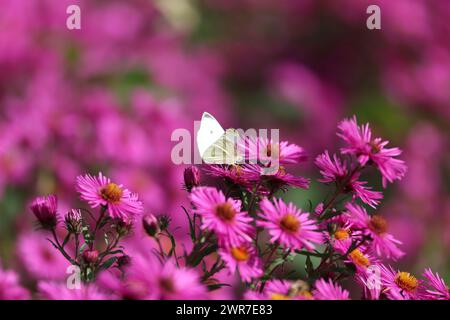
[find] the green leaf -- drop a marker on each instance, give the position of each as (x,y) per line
(108,263)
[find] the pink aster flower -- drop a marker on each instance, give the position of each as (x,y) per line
(272,181)
(244,259)
(399,285)
(436,287)
(10,288)
(40,259)
(100,191)
(222,215)
(148,279)
(383,243)
(288,225)
(329,291)
(334,170)
(234,174)
(266,150)
(60,291)
(360,143)
(44,208)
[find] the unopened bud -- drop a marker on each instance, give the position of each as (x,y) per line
(44,208)
(90,256)
(123,261)
(73,221)
(123,227)
(191,177)
(151,225)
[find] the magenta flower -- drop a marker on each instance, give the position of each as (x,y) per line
(244,259)
(100,191)
(329,291)
(191,177)
(148,279)
(399,285)
(383,243)
(436,287)
(265,150)
(40,259)
(288,225)
(60,291)
(275,180)
(234,174)
(360,143)
(10,288)
(333,170)
(44,208)
(222,215)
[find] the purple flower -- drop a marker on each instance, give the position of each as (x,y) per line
(44,208)
(60,291)
(367,150)
(222,215)
(399,285)
(10,288)
(436,288)
(383,243)
(288,225)
(333,170)
(327,290)
(191,177)
(244,259)
(100,191)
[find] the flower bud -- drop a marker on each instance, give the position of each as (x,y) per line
(73,221)
(44,208)
(191,178)
(151,225)
(123,261)
(90,256)
(123,226)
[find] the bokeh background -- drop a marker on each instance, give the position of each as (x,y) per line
(107,97)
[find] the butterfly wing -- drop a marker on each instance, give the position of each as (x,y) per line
(224,150)
(209,132)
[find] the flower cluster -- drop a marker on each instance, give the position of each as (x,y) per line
(244,233)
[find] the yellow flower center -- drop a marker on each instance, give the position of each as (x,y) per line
(290,223)
(225,211)
(341,234)
(406,281)
(240,253)
(378,224)
(111,193)
(359,258)
(279,296)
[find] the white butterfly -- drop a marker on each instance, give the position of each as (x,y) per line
(215,145)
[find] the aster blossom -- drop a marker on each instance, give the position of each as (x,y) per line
(334,170)
(266,150)
(383,243)
(101,192)
(327,290)
(222,215)
(10,288)
(243,258)
(399,285)
(149,279)
(435,287)
(367,149)
(60,291)
(44,208)
(288,225)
